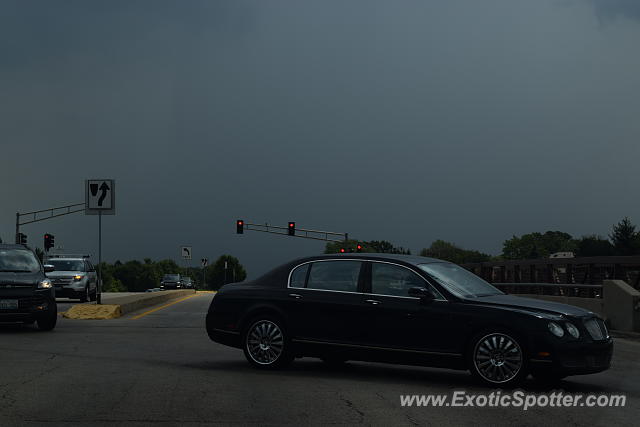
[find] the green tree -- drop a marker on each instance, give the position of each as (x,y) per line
(373,246)
(538,245)
(216,276)
(624,237)
(593,245)
(450,252)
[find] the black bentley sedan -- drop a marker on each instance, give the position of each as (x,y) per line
(406,310)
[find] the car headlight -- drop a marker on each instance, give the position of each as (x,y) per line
(556,329)
(573,331)
(78,277)
(45,284)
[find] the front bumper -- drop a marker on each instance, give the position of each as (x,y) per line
(576,358)
(30,306)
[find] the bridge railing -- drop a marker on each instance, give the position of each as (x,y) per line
(579,271)
(553,289)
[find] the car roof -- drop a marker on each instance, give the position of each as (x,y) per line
(65,259)
(13,246)
(409,259)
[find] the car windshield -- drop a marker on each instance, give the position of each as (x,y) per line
(66,265)
(171,277)
(18,261)
(458,280)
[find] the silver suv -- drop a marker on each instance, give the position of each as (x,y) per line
(73,276)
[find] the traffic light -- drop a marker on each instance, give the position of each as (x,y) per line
(342,250)
(359,248)
(239,226)
(292,228)
(49,241)
(22,238)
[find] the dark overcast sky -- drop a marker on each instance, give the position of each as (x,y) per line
(409,121)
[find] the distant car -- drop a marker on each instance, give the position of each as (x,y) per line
(408,310)
(171,281)
(187,283)
(73,277)
(26,294)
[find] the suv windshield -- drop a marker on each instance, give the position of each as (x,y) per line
(67,265)
(18,261)
(459,281)
(174,277)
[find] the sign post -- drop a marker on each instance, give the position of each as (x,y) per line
(100,200)
(204,272)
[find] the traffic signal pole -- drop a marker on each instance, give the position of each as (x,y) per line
(291,230)
(52,214)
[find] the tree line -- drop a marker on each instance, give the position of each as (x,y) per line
(623,240)
(138,276)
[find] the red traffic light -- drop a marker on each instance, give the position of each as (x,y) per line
(342,250)
(239,226)
(292,228)
(359,248)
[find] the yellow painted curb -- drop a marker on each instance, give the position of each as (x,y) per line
(92,312)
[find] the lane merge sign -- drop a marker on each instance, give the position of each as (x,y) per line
(185,251)
(100,197)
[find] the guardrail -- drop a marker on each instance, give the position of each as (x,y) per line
(553,289)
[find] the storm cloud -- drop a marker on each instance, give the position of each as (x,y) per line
(406,121)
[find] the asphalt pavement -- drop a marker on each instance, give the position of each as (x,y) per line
(161,369)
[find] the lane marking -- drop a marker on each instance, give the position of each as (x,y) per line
(163,306)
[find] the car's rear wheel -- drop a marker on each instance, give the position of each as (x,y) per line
(266,344)
(498,359)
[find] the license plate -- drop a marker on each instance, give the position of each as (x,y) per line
(8,304)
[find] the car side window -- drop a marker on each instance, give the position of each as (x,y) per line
(393,280)
(335,275)
(299,276)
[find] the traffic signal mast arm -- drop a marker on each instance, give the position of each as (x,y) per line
(303,233)
(52,214)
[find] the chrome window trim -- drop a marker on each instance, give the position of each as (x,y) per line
(323,260)
(362,293)
(430,286)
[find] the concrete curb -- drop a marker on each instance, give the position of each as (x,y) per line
(123,305)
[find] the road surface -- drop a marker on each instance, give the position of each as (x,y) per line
(161,369)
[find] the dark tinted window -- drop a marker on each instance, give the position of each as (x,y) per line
(334,275)
(389,279)
(18,260)
(298,276)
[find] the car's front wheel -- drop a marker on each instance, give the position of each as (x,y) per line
(266,344)
(48,321)
(498,359)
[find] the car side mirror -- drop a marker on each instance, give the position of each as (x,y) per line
(48,268)
(424,294)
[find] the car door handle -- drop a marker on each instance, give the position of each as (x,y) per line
(372,301)
(296,296)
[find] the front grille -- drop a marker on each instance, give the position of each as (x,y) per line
(61,282)
(596,329)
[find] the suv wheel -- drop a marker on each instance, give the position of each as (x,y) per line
(497,359)
(85,295)
(48,321)
(266,344)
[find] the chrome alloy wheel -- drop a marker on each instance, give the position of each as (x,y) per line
(264,342)
(497,358)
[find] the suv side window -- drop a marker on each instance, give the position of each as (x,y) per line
(299,276)
(334,275)
(394,280)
